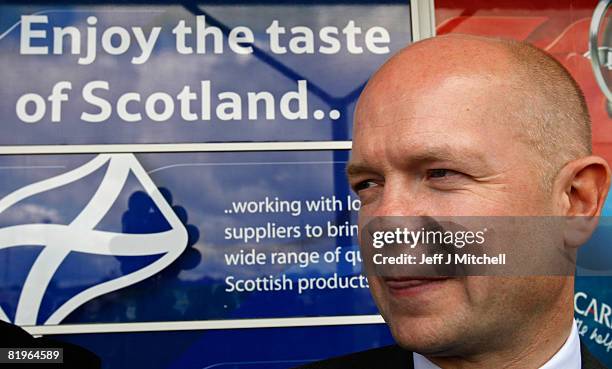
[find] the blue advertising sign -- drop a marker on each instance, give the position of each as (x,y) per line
(198,248)
(196,236)
(228,256)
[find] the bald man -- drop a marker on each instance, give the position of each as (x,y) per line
(463,125)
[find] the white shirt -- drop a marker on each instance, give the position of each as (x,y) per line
(568,356)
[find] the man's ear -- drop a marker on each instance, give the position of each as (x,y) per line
(581,187)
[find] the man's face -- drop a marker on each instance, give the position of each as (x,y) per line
(448,147)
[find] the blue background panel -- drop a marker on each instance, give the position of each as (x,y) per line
(270,348)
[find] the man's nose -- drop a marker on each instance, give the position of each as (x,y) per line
(401,199)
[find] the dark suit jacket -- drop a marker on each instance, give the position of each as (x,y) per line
(393,357)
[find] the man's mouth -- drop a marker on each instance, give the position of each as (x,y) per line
(414,285)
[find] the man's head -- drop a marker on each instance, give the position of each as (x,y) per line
(463,125)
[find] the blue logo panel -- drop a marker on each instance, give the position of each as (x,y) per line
(226,208)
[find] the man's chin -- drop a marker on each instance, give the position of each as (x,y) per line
(429,336)
(425,315)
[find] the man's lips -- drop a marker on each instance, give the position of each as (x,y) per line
(413,285)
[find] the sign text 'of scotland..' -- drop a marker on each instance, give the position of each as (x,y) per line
(189,103)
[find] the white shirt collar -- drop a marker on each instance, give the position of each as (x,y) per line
(568,356)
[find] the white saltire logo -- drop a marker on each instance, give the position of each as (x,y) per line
(80,235)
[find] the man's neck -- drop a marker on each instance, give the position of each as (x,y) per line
(534,346)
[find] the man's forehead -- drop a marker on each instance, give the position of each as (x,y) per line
(456,102)
(426,96)
(458,119)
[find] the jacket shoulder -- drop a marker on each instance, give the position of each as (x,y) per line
(388,357)
(588,360)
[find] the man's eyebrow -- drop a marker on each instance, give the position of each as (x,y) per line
(462,155)
(354,168)
(447,153)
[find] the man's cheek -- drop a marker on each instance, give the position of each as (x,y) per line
(487,292)
(370,205)
(378,293)
(376,286)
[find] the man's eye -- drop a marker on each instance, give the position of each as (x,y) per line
(440,173)
(364,185)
